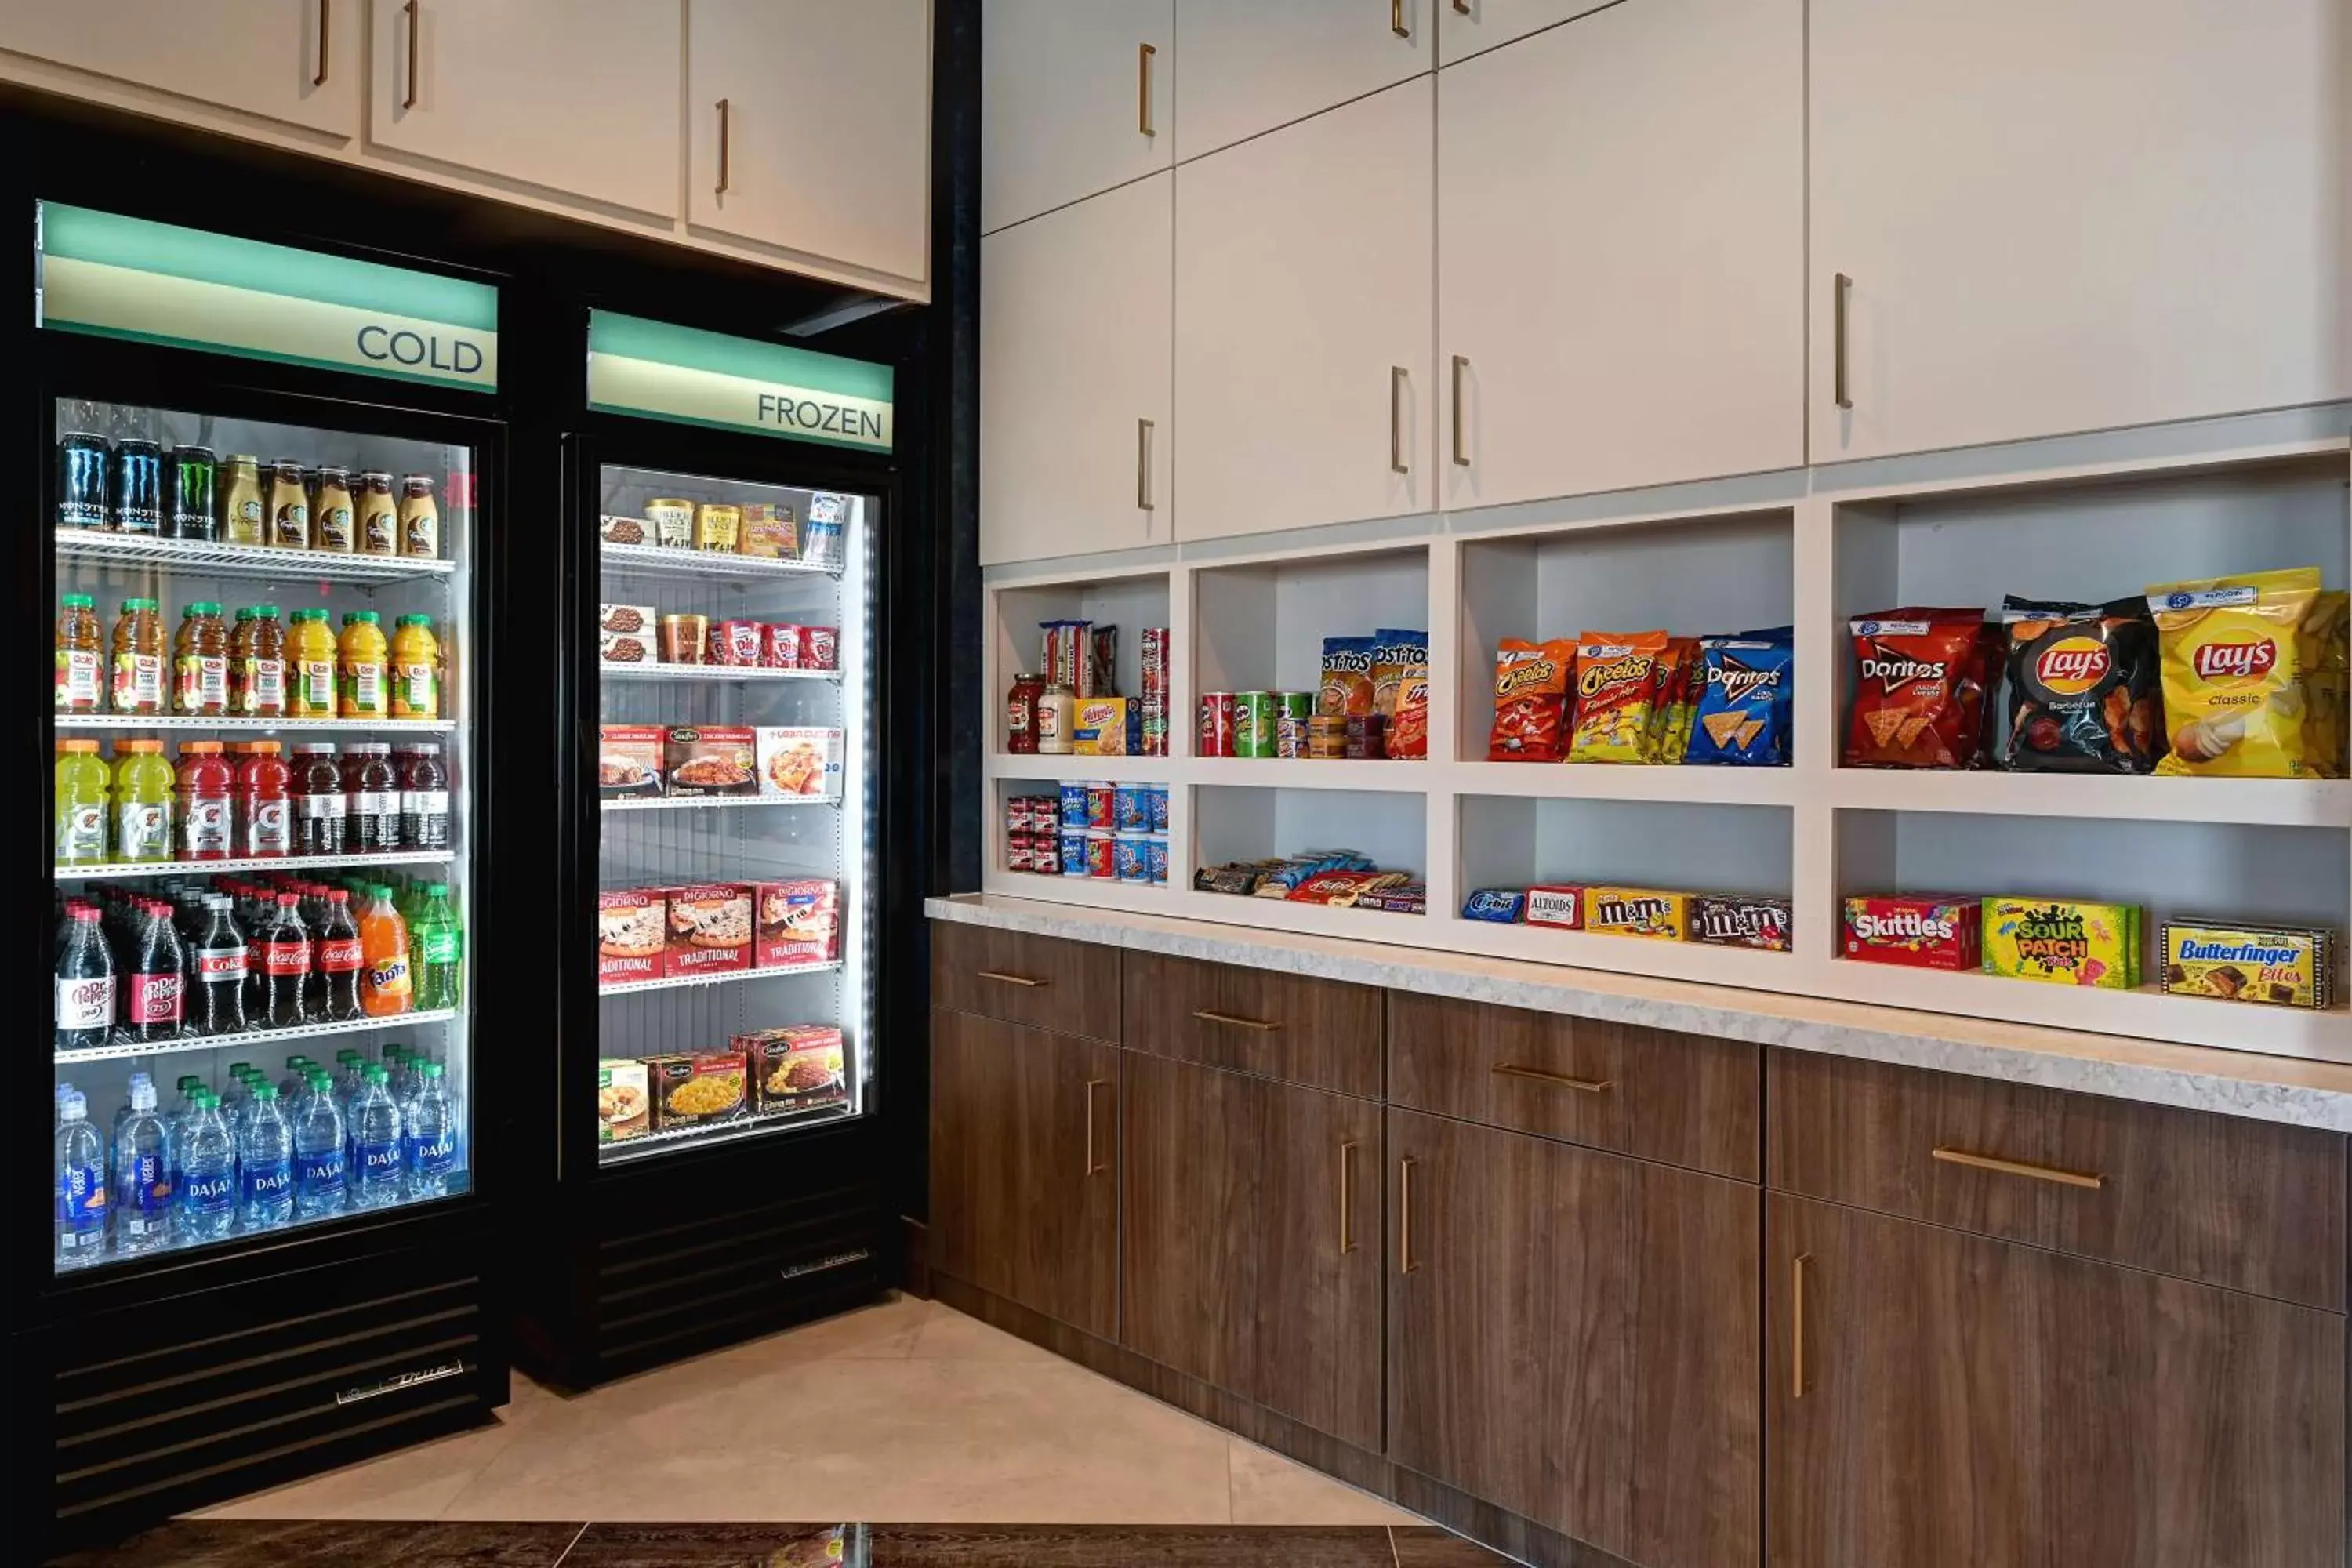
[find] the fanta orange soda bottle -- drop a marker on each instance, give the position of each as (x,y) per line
(384,985)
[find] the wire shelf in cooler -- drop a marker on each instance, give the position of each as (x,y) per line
(216,560)
(725,977)
(245,1037)
(711,672)
(666,559)
(250,726)
(277,863)
(704,803)
(754,1126)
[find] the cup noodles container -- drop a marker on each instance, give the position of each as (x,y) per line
(1725,921)
(798,763)
(709,929)
(631,935)
(738,643)
(820,648)
(629,760)
(779,646)
(799,923)
(1917,930)
(800,1066)
(1562,908)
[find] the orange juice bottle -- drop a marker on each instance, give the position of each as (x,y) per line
(384,986)
(415,668)
(364,662)
(310,667)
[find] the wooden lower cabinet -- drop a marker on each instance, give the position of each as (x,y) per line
(1025,1166)
(1574,1336)
(1252,1239)
(1944,1400)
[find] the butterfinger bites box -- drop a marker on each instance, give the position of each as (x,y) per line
(1723,921)
(799,922)
(1561,908)
(2282,966)
(709,929)
(2065,941)
(631,936)
(1919,932)
(1637,911)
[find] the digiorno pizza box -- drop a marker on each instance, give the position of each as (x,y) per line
(709,929)
(631,936)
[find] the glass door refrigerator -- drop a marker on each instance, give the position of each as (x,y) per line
(719,1171)
(266,477)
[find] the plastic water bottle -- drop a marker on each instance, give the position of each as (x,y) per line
(375,1144)
(297,1082)
(207,1173)
(142,1177)
(429,1135)
(237,1096)
(175,1124)
(266,1162)
(122,1111)
(318,1152)
(82,1185)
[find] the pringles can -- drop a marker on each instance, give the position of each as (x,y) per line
(1253,724)
(1292,710)
(1216,737)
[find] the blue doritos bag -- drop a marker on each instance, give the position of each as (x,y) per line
(1743,710)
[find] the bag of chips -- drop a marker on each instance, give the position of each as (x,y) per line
(1919,690)
(2321,650)
(1347,688)
(1530,699)
(1401,691)
(1617,676)
(1670,719)
(1743,702)
(2231,692)
(2082,686)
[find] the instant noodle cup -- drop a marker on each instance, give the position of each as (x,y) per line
(1617,676)
(1530,699)
(2232,697)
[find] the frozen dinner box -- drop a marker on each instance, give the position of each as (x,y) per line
(693,1089)
(798,1068)
(798,762)
(623,1105)
(631,936)
(629,760)
(712,759)
(709,929)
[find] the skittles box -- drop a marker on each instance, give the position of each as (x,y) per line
(1917,930)
(2062,941)
(1637,911)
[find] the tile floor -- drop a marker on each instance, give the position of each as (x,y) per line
(903,1411)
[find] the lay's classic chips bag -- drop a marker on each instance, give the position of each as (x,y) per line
(2233,702)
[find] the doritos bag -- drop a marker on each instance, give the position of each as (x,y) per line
(1530,699)
(1744,701)
(1919,690)
(1616,693)
(2231,662)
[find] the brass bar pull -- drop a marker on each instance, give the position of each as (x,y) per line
(1461,452)
(1143,462)
(1000,976)
(1348,1196)
(1837,357)
(2090,1179)
(1558,1080)
(1797,1325)
(1462,7)
(1396,20)
(1231,1020)
(1397,375)
(1093,1084)
(326,12)
(409,101)
(1143,53)
(726,128)
(1405,1264)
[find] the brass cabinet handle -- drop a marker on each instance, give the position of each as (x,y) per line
(1462,7)
(1398,375)
(999,976)
(1348,1196)
(1405,1264)
(1950,1156)
(1461,454)
(1262,1025)
(1558,1080)
(726,136)
(1143,430)
(326,11)
(1093,1084)
(1396,20)
(1797,1324)
(1143,53)
(1837,355)
(410,100)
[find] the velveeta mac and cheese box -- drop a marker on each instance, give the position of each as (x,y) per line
(2283,966)
(1637,911)
(2065,941)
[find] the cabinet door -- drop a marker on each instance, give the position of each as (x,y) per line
(1284,1309)
(1573,1335)
(1075,434)
(1621,262)
(1250,66)
(1073,100)
(2132,210)
(1943,1400)
(572,100)
(1466,27)
(1302,322)
(1025,1157)
(824,146)
(293,61)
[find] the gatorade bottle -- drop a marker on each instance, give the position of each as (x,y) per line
(440,945)
(384,986)
(265,820)
(81,804)
(204,787)
(142,800)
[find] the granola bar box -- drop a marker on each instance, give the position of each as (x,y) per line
(1917,930)
(2064,942)
(709,929)
(2282,966)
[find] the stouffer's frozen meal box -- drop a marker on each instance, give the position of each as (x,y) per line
(1917,930)
(798,762)
(690,1089)
(629,760)
(631,936)
(799,922)
(798,1068)
(623,1105)
(712,759)
(709,929)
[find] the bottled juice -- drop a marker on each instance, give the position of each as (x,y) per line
(311,654)
(384,988)
(81,804)
(80,689)
(362,657)
(265,821)
(415,668)
(200,661)
(139,659)
(204,785)
(256,675)
(143,800)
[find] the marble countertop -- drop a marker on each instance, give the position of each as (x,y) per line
(2285,1090)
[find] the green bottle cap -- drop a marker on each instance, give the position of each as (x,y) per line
(320,1081)
(425,621)
(265,612)
(78,601)
(368,617)
(189,1080)
(348,1054)
(201,607)
(309,614)
(437,889)
(238,1069)
(132,606)
(430,1070)
(375,1073)
(296,1064)
(264,1091)
(244,615)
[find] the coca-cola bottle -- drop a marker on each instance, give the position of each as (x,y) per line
(339,962)
(158,990)
(216,1004)
(84,1011)
(284,966)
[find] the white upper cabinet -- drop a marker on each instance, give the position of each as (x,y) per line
(1467,27)
(1076,96)
(809,128)
(1250,66)
(296,62)
(1621,252)
(1303,296)
(2069,216)
(1075,434)
(572,97)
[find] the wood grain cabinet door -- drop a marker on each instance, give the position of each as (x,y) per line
(1573,1336)
(1025,1166)
(1941,1400)
(1252,1254)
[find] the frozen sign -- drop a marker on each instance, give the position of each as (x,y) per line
(660,371)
